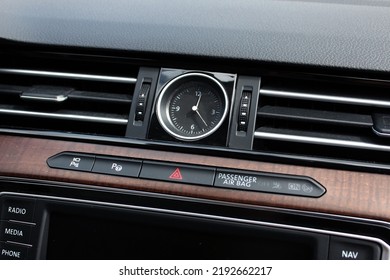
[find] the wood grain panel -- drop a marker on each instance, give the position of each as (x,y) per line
(356,194)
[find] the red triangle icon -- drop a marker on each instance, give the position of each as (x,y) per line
(176,175)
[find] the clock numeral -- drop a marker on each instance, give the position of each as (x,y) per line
(198,93)
(192,126)
(177,108)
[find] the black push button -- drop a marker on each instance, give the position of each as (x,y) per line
(18,210)
(12,252)
(342,248)
(15,232)
(252,181)
(128,168)
(178,173)
(72,161)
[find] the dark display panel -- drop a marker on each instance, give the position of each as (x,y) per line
(102,234)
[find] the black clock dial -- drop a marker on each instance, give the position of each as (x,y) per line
(192,106)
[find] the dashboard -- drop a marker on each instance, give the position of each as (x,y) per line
(195,130)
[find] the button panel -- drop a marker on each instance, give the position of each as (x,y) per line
(191,174)
(19,228)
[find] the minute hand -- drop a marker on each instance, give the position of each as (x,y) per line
(200,116)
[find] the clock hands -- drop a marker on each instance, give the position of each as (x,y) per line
(195,109)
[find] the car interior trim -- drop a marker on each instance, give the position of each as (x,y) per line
(64,75)
(65,116)
(324,98)
(304,160)
(320,141)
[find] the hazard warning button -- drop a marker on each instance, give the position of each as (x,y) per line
(178,173)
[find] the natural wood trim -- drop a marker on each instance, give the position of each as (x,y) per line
(358,194)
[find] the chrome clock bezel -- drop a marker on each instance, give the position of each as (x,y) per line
(162,108)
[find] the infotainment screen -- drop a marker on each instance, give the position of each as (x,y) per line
(103,234)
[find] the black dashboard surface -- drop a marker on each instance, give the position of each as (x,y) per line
(344,34)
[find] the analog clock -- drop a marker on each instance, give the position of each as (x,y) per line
(192,106)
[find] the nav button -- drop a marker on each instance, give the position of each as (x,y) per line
(342,248)
(113,166)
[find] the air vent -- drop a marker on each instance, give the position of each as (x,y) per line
(325,119)
(70,102)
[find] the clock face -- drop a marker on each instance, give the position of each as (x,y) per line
(192,106)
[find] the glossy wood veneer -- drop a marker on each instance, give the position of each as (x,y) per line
(358,194)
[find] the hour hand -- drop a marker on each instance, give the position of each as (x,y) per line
(195,107)
(197,103)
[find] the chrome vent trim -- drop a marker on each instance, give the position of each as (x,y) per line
(320,141)
(72,117)
(64,75)
(324,98)
(65,101)
(325,119)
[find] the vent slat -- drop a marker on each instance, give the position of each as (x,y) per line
(100,97)
(287,135)
(325,98)
(65,75)
(65,102)
(66,115)
(324,119)
(308,115)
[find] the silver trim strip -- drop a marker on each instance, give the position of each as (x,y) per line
(384,245)
(64,75)
(20,244)
(22,222)
(386,135)
(324,98)
(320,141)
(58,98)
(65,116)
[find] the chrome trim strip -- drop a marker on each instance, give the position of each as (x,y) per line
(320,141)
(57,98)
(384,245)
(19,244)
(64,75)
(23,222)
(64,116)
(380,134)
(324,98)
